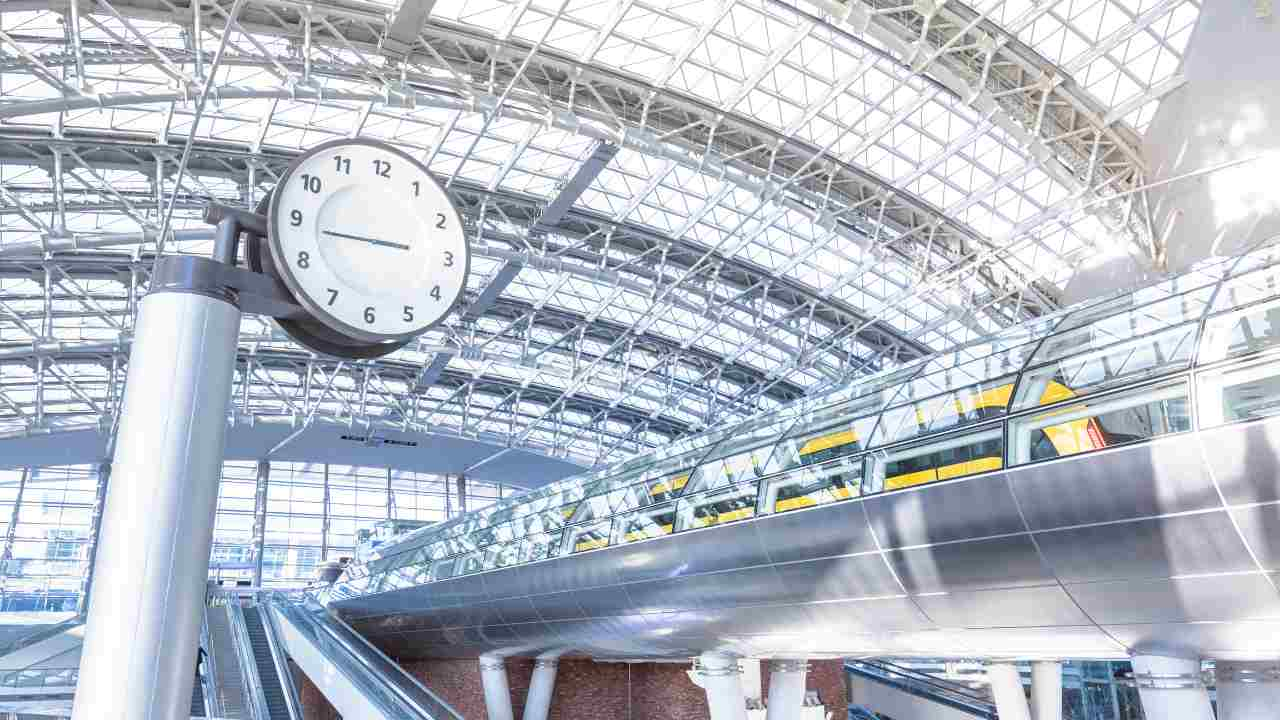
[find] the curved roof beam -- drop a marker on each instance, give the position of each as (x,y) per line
(579,97)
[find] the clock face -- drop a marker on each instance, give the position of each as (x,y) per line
(368,241)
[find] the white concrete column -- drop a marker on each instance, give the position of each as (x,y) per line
(537,705)
(786,689)
(1248,690)
(1171,688)
(152,556)
(1046,690)
(722,680)
(751,691)
(497,692)
(1006,687)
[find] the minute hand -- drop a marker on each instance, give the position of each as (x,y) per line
(371,241)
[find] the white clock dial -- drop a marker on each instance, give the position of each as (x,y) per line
(368,240)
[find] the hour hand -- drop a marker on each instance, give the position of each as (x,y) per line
(361,238)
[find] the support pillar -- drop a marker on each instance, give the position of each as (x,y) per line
(1006,687)
(722,680)
(1248,690)
(157,528)
(497,691)
(461,481)
(786,689)
(1171,688)
(751,692)
(537,705)
(95,528)
(1046,690)
(260,519)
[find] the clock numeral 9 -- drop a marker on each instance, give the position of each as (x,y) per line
(333,295)
(440,221)
(311,182)
(368,315)
(295,217)
(304,259)
(343,164)
(435,292)
(408,313)
(382,168)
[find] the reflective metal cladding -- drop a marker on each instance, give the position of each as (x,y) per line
(1099,482)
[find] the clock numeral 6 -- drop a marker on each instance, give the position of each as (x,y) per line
(435,292)
(408,313)
(295,217)
(333,295)
(368,315)
(304,259)
(311,183)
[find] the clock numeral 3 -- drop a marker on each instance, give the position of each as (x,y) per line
(408,313)
(448,259)
(333,295)
(368,315)
(382,168)
(440,221)
(311,182)
(304,259)
(344,164)
(435,292)
(295,217)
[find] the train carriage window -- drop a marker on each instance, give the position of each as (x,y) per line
(811,486)
(942,459)
(717,507)
(963,406)
(1105,368)
(1242,332)
(591,536)
(1093,424)
(667,487)
(648,523)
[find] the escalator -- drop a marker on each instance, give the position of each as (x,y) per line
(277,702)
(197,699)
(901,693)
(356,678)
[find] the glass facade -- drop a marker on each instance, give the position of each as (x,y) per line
(312,512)
(1116,371)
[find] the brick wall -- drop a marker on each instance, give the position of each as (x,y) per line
(587,690)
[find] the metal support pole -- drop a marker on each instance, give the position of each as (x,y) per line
(462,493)
(1171,688)
(260,519)
(157,528)
(1006,686)
(497,692)
(1046,690)
(786,689)
(722,680)
(537,704)
(324,519)
(95,529)
(12,533)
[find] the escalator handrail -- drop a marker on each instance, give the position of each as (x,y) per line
(407,692)
(40,635)
(209,678)
(248,664)
(928,679)
(292,700)
(936,691)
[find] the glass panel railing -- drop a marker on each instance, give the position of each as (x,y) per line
(380,680)
(1239,393)
(948,457)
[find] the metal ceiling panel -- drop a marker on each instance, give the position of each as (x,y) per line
(976,565)
(1044,606)
(970,508)
(1214,597)
(1245,461)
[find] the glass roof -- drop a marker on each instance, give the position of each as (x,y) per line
(754,200)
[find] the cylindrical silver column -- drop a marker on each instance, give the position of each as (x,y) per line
(786,689)
(1171,688)
(720,678)
(1046,690)
(1247,690)
(497,692)
(152,558)
(537,704)
(1006,688)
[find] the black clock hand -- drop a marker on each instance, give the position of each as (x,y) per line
(371,241)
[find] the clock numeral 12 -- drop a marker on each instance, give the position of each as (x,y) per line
(382,168)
